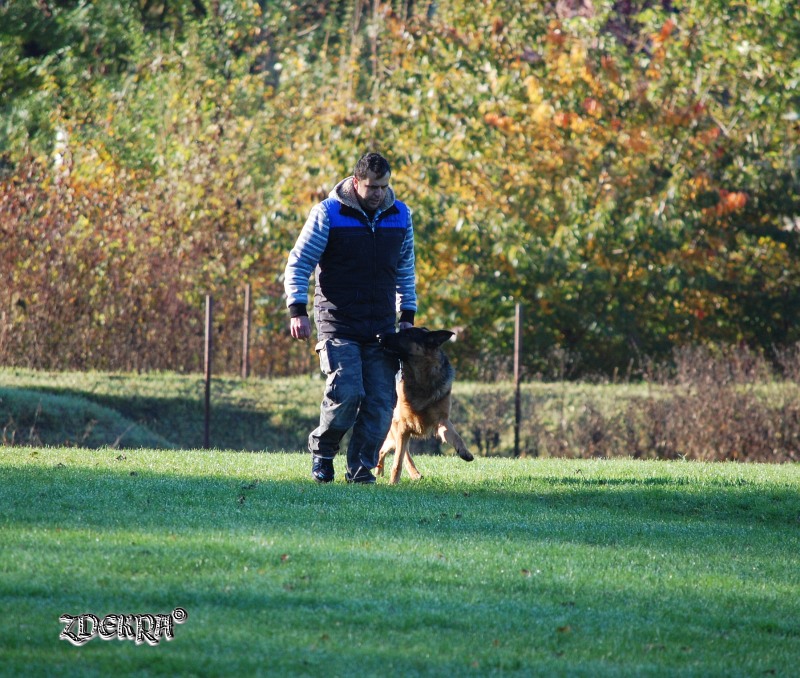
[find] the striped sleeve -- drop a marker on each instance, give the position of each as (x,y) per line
(406,281)
(305,255)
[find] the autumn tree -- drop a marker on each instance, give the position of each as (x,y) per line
(626,171)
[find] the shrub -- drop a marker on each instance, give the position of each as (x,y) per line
(712,405)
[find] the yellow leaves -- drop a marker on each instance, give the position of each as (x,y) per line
(634,272)
(542,114)
(453,217)
(768,244)
(595,85)
(566,76)
(566,68)
(534,89)
(618,92)
(571,121)
(82,224)
(577,55)
(653,72)
(578,124)
(698,186)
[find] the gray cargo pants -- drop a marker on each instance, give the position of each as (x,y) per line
(359,394)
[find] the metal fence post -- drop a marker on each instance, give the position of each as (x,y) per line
(517,370)
(246,334)
(207,370)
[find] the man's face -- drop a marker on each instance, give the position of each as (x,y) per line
(372,190)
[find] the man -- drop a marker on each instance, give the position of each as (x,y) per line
(360,243)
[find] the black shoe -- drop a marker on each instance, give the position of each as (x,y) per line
(361,476)
(322,469)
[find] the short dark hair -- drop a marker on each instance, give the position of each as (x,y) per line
(371,162)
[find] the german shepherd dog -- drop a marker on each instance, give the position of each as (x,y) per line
(423,397)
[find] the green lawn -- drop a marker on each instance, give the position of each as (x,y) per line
(547,567)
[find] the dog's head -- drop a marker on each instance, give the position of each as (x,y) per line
(416,341)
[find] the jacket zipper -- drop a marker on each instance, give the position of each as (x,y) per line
(373,223)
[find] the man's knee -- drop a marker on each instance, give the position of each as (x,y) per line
(346,394)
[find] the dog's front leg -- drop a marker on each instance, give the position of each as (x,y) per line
(388,445)
(400,452)
(447,434)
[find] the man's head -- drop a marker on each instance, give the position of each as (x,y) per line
(371,180)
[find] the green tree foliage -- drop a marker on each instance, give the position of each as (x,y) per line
(627,171)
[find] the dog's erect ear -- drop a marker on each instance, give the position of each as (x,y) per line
(438,337)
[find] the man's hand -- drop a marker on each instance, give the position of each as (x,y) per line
(404,326)
(300,327)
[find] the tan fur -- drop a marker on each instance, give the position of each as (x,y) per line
(423,403)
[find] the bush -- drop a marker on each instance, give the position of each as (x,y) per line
(713,405)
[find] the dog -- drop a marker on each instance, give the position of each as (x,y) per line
(423,397)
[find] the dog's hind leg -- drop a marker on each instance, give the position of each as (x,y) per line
(447,434)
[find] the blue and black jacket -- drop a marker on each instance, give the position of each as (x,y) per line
(364,267)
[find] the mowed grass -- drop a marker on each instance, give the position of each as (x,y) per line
(546,567)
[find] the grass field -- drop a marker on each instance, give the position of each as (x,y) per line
(498,567)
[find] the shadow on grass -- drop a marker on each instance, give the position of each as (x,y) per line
(162,422)
(31,417)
